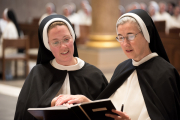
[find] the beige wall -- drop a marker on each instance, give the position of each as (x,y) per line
(126,2)
(27,9)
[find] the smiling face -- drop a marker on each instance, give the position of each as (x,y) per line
(63,53)
(137,48)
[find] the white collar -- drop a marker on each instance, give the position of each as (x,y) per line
(79,65)
(146,58)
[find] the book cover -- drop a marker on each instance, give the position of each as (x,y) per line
(94,110)
(53,113)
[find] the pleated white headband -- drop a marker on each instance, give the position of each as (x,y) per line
(45,35)
(140,22)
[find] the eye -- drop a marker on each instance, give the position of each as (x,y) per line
(121,37)
(56,42)
(131,36)
(66,39)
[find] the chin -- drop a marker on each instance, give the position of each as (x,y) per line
(65,59)
(130,57)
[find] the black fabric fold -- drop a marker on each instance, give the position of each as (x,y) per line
(160,85)
(122,72)
(44,82)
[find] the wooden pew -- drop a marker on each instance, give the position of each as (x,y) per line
(31,30)
(84,31)
(174,31)
(160,26)
(84,34)
(36,21)
(171,44)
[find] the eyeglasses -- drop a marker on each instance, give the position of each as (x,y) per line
(129,37)
(57,43)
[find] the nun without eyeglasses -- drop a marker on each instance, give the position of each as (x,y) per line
(58,70)
(146,85)
(11,31)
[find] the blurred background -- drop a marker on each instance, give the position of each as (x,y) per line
(94,23)
(27,10)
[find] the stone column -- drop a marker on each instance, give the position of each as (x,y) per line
(103,51)
(103,30)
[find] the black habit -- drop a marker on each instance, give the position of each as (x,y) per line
(159,81)
(44,81)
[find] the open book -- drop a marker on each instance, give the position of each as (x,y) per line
(94,110)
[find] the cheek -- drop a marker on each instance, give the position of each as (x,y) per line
(71,46)
(54,51)
(123,47)
(139,47)
(135,46)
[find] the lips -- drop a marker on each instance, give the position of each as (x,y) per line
(129,50)
(65,52)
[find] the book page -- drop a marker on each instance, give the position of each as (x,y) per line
(60,107)
(95,101)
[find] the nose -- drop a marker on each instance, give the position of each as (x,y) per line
(62,45)
(126,42)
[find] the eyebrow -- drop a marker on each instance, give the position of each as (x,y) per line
(127,33)
(62,37)
(55,39)
(66,36)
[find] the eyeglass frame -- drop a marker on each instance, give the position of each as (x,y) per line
(60,42)
(127,37)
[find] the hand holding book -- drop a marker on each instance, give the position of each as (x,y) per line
(85,111)
(120,115)
(76,99)
(70,99)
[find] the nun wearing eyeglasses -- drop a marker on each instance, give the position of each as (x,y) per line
(59,70)
(146,86)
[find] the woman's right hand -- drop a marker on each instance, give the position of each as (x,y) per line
(69,99)
(120,115)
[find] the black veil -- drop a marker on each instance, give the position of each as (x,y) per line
(11,15)
(155,41)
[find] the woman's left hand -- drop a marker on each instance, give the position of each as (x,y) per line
(120,116)
(70,99)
